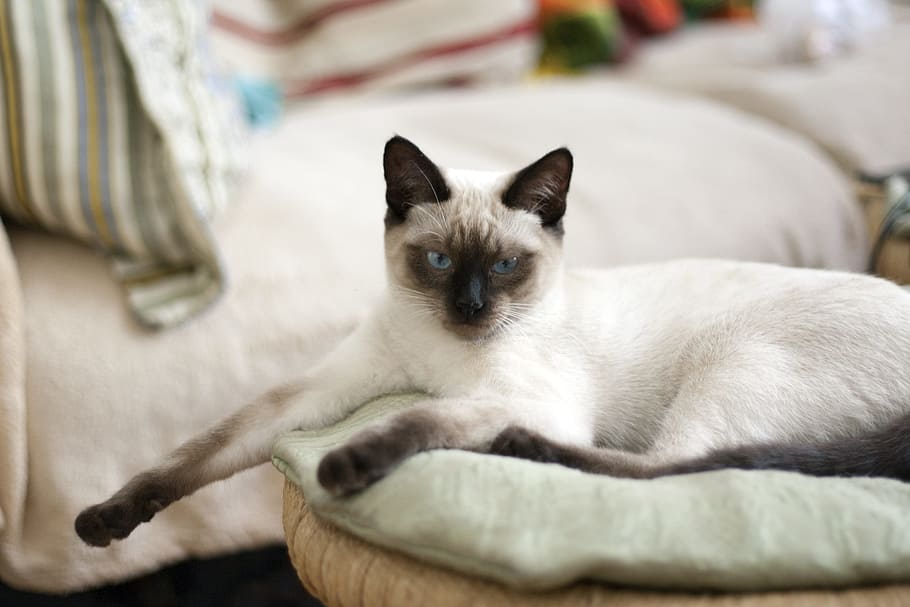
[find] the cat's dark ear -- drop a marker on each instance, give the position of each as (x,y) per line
(542,187)
(410,177)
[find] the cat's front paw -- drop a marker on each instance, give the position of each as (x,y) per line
(357,465)
(116,518)
(518,442)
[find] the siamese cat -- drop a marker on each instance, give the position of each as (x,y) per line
(637,371)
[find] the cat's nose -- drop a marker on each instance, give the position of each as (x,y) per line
(468,307)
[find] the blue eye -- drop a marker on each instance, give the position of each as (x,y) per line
(505,266)
(438,260)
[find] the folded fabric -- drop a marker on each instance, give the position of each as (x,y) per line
(539,526)
(117,133)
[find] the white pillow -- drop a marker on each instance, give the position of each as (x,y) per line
(319,46)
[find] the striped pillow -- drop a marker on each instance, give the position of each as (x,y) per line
(318,46)
(114,133)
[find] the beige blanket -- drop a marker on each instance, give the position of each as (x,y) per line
(12,392)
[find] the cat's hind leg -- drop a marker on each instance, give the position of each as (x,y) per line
(750,417)
(696,421)
(522,443)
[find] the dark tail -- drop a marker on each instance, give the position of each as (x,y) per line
(881,453)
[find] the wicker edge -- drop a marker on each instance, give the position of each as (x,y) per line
(343,571)
(894,261)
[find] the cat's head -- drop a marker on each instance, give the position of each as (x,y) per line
(474,251)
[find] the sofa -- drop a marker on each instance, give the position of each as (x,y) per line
(88,397)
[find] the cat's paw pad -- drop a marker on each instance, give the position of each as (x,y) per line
(100,524)
(353,467)
(518,442)
(115,519)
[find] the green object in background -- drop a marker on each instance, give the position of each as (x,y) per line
(697,9)
(578,40)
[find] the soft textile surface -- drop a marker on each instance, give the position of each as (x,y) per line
(319,46)
(854,106)
(114,133)
(540,526)
(342,571)
(656,177)
(12,390)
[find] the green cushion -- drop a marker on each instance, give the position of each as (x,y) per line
(540,526)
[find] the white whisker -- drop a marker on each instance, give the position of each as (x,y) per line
(429,183)
(437,218)
(436,196)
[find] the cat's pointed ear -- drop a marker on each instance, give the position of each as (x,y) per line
(542,187)
(410,177)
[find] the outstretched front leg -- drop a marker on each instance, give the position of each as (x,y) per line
(353,373)
(469,424)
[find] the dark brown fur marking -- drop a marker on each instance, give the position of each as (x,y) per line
(542,188)
(882,453)
(524,444)
(117,517)
(411,179)
(374,453)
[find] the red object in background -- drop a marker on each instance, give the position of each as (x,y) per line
(650,17)
(552,7)
(738,13)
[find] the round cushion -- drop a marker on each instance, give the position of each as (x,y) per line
(343,571)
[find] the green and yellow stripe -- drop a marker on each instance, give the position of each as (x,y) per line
(90,102)
(14,123)
(89,147)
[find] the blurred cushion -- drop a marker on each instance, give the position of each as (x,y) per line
(319,46)
(114,134)
(854,105)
